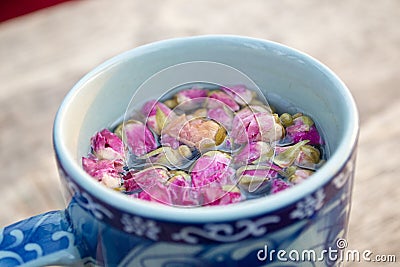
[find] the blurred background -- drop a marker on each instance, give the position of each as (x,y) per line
(44,53)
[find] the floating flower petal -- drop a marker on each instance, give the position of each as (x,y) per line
(250,126)
(107,145)
(213,166)
(140,140)
(303,128)
(279,185)
(255,152)
(222,100)
(240,94)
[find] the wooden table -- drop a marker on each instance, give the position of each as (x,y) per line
(43,54)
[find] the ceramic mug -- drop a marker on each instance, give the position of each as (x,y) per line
(103,227)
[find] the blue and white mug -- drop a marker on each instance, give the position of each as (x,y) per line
(106,228)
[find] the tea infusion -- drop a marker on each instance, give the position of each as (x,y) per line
(206,147)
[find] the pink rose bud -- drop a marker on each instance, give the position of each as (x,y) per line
(169,157)
(190,94)
(253,177)
(146,178)
(250,126)
(104,170)
(300,175)
(255,152)
(212,167)
(222,115)
(181,192)
(107,145)
(157,193)
(156,114)
(214,195)
(139,138)
(303,128)
(239,93)
(309,156)
(167,140)
(286,156)
(279,185)
(150,108)
(222,100)
(196,132)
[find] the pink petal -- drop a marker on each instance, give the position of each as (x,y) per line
(181,192)
(107,145)
(210,169)
(157,193)
(225,99)
(139,138)
(300,176)
(279,185)
(239,93)
(299,133)
(99,168)
(167,140)
(189,94)
(252,127)
(214,195)
(146,178)
(261,173)
(150,108)
(249,153)
(222,116)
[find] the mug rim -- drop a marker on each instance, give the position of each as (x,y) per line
(246,209)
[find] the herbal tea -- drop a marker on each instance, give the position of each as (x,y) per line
(206,146)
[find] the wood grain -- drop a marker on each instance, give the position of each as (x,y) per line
(43,54)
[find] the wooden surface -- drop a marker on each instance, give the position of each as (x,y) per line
(43,54)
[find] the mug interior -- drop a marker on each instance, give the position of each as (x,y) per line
(102,96)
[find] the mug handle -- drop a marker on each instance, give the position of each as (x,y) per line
(44,239)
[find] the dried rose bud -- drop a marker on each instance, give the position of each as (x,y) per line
(104,170)
(255,152)
(150,108)
(213,166)
(139,138)
(107,145)
(216,195)
(300,175)
(156,114)
(279,185)
(303,128)
(181,192)
(239,93)
(190,94)
(169,157)
(158,192)
(146,178)
(179,178)
(250,126)
(286,119)
(222,100)
(286,156)
(174,191)
(222,115)
(199,113)
(171,103)
(167,140)
(196,132)
(309,156)
(251,177)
